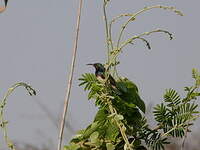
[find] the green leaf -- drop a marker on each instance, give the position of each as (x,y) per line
(110,146)
(195,73)
(136,143)
(121,86)
(132,95)
(172,97)
(90,129)
(94,137)
(161,113)
(112,131)
(88,79)
(72,146)
(119,117)
(101,115)
(94,91)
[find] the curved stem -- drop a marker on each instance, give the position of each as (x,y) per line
(132,39)
(141,11)
(110,25)
(3,122)
(143,34)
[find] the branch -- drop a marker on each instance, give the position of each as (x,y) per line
(132,18)
(120,125)
(113,21)
(180,125)
(145,41)
(3,122)
(117,51)
(130,40)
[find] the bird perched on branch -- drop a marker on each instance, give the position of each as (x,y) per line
(100,73)
(124,88)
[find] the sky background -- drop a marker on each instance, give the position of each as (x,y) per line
(36,40)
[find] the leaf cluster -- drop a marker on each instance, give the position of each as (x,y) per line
(120,122)
(127,108)
(175,115)
(121,112)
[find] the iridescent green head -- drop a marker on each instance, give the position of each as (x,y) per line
(98,66)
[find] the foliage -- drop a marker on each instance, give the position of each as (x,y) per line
(174,116)
(177,114)
(120,122)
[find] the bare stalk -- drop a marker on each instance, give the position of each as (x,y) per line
(107,32)
(67,96)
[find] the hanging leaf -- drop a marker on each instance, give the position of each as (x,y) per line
(131,96)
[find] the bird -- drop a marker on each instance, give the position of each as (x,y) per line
(100,73)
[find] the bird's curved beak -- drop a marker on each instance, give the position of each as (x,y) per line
(91,64)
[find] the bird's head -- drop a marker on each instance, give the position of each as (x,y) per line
(98,67)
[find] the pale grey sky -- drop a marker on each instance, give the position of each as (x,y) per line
(36,39)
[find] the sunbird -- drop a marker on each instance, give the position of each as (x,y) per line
(100,72)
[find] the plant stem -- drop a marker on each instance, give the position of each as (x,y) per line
(180,125)
(107,32)
(66,102)
(130,40)
(3,122)
(184,138)
(120,126)
(139,12)
(110,25)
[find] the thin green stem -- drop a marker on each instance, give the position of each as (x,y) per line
(3,122)
(184,138)
(110,33)
(110,37)
(122,30)
(132,18)
(111,23)
(180,125)
(130,40)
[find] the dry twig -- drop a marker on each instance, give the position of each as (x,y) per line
(66,102)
